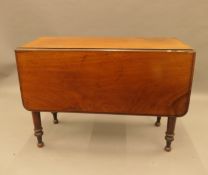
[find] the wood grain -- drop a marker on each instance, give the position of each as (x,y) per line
(106,43)
(117,82)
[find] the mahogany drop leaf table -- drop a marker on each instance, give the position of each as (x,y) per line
(133,76)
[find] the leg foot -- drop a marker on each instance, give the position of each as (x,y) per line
(157,123)
(40,145)
(55,120)
(38,128)
(169,137)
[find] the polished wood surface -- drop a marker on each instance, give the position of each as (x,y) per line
(118,82)
(141,76)
(106,43)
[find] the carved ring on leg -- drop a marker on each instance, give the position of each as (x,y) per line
(38,133)
(169,137)
(38,130)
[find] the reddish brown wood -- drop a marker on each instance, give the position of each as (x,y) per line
(120,82)
(38,128)
(170,132)
(138,76)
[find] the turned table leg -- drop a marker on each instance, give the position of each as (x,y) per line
(55,120)
(169,137)
(157,123)
(38,128)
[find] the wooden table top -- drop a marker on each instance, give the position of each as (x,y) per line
(106,43)
(142,76)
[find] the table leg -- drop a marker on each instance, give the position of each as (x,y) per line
(55,120)
(157,123)
(38,128)
(169,137)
